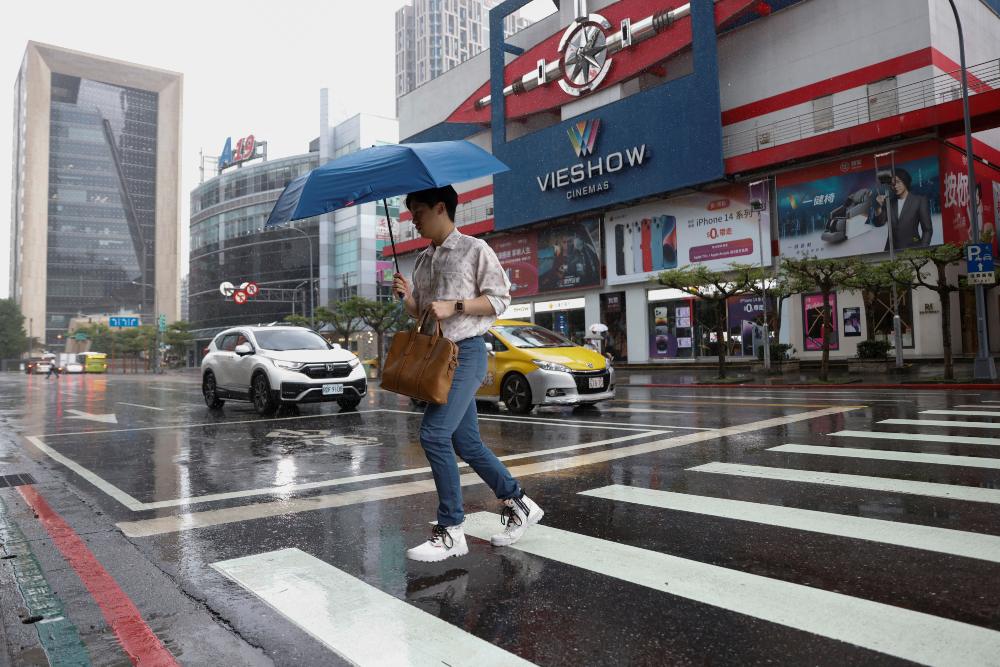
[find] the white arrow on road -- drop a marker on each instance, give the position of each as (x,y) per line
(107,419)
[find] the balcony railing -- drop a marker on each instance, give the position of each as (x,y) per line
(891,102)
(464,215)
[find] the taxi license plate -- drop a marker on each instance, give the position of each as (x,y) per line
(333,389)
(596,383)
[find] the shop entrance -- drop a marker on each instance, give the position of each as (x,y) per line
(613,316)
(569,323)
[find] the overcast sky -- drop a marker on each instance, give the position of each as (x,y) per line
(249,67)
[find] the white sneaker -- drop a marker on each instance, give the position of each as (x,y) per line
(518,515)
(445,542)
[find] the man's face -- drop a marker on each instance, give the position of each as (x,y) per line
(899,186)
(425,218)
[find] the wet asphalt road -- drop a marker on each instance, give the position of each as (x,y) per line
(674,533)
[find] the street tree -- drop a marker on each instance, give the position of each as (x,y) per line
(343,318)
(869,278)
(179,337)
(823,276)
(383,317)
(714,287)
(928,267)
(297,320)
(13,339)
(101,337)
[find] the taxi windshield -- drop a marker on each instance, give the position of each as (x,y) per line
(530,336)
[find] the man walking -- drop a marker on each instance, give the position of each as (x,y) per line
(459,279)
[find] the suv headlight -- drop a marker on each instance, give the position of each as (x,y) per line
(550,366)
(288,365)
(354,362)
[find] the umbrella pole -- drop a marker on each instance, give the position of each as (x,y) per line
(392,240)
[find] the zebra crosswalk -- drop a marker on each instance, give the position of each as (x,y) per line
(870,624)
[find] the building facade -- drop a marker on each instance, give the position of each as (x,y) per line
(749,136)
(228,213)
(334,256)
(433,36)
(95,197)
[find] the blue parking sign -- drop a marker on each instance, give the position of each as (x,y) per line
(979,258)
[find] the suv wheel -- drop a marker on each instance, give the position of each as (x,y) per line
(349,403)
(210,391)
(516,394)
(263,400)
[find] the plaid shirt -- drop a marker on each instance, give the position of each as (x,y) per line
(460,269)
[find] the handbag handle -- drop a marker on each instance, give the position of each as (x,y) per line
(419,326)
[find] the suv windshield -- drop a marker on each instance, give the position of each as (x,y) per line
(531,336)
(290,339)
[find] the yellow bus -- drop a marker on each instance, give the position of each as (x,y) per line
(93,362)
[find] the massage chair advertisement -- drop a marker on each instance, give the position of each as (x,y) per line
(714,228)
(841,209)
(557,258)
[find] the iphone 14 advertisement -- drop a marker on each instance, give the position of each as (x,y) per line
(646,245)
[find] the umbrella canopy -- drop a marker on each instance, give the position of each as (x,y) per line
(381,172)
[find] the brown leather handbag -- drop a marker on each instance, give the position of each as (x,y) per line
(420,365)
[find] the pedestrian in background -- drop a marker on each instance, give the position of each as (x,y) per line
(460,280)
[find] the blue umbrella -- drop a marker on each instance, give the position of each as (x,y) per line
(380,172)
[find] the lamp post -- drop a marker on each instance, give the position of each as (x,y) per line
(984,367)
(759,205)
(312,308)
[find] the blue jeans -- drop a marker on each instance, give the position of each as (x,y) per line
(453,428)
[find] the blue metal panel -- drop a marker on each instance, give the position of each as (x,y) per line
(674,127)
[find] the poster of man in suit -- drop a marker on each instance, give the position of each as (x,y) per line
(910,222)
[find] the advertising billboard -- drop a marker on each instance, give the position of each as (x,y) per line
(840,209)
(714,228)
(626,149)
(557,258)
(955,198)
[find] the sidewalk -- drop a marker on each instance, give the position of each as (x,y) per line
(918,376)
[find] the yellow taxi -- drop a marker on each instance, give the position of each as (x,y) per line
(529,365)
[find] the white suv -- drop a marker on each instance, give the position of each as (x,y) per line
(272,365)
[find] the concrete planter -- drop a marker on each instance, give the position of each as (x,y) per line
(777,367)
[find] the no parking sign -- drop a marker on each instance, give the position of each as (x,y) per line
(240,296)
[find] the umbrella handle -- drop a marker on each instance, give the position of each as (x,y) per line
(392,239)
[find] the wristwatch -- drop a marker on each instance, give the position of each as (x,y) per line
(459,306)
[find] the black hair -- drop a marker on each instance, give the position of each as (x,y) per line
(434,196)
(904,176)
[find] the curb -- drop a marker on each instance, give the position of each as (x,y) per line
(841,387)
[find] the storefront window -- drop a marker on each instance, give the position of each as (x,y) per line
(613,317)
(569,323)
(882,314)
(671,329)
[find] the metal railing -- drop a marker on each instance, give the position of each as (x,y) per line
(891,102)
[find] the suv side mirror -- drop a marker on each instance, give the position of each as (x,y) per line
(243,349)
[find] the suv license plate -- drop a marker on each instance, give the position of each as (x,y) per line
(596,383)
(333,389)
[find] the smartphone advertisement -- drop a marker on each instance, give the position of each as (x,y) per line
(714,228)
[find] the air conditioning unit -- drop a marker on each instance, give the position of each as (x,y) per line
(764,137)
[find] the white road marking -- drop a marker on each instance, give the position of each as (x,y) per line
(651,410)
(940,422)
(105,418)
(902,633)
(928,538)
(560,420)
(136,405)
(883,455)
(761,397)
(965,413)
(192,520)
(108,488)
(353,619)
(355,479)
(929,489)
(919,437)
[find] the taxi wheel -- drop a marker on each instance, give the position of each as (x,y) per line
(516,394)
